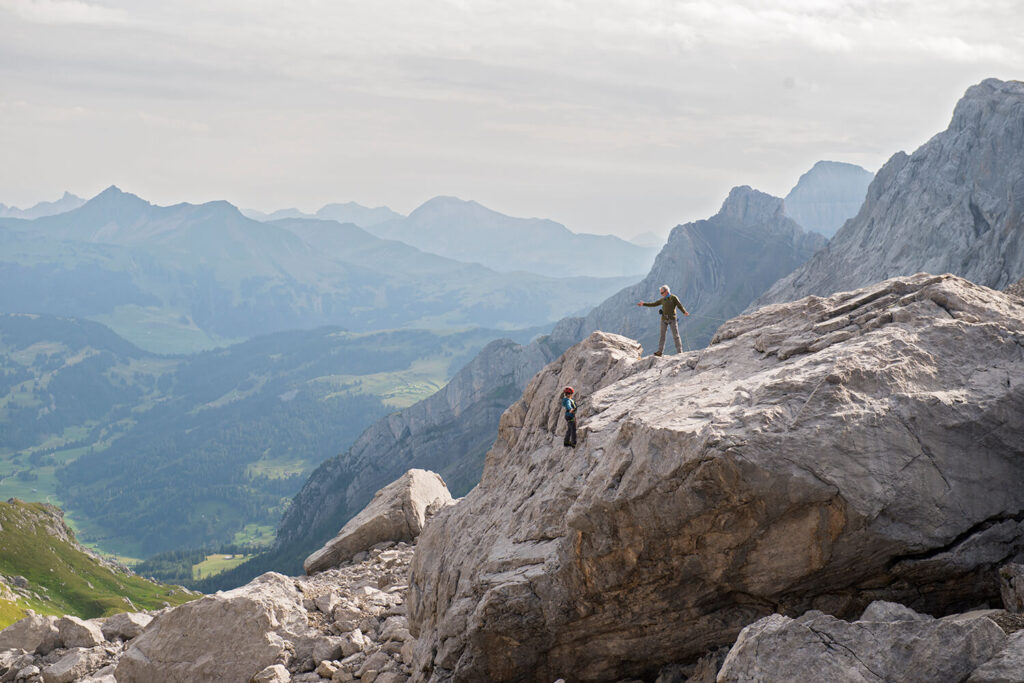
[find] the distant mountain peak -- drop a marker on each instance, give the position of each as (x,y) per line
(827,195)
(747,205)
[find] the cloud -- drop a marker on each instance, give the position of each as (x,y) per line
(65,12)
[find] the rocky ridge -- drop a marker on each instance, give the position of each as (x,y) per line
(817,455)
(955,205)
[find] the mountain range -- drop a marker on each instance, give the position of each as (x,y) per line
(184,276)
(66,203)
(348,212)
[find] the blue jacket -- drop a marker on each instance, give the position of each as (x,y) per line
(569,405)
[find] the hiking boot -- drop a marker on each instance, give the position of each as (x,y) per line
(657,353)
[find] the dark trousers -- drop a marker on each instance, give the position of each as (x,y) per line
(570,431)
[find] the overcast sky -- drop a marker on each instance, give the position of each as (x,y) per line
(611,116)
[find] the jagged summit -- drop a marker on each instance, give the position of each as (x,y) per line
(956,205)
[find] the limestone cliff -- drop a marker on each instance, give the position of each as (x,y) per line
(955,205)
(818,454)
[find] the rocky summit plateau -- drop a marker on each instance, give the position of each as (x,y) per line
(818,455)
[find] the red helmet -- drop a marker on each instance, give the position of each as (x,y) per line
(567,390)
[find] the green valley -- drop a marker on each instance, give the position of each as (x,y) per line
(151,453)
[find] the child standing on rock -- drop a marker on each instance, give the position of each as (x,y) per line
(570,417)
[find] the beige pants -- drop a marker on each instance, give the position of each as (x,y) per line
(665,324)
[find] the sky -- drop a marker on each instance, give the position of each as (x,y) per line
(616,116)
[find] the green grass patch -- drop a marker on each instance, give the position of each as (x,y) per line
(255,535)
(164,331)
(215,564)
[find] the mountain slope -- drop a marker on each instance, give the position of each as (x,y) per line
(722,263)
(956,205)
(827,196)
(468,231)
(59,576)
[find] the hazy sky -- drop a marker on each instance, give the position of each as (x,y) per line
(612,116)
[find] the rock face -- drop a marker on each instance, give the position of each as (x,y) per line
(818,647)
(715,266)
(956,205)
(397,513)
(817,455)
(827,196)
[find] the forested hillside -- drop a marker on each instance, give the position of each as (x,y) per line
(151,453)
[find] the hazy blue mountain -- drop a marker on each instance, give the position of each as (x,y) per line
(207,269)
(468,231)
(649,239)
(827,196)
(65,203)
(349,212)
(155,452)
(363,216)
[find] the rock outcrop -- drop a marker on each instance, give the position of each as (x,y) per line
(955,205)
(817,455)
(397,512)
(819,647)
(827,196)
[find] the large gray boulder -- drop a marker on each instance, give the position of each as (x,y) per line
(819,647)
(955,205)
(225,637)
(817,455)
(397,513)
(1006,667)
(35,633)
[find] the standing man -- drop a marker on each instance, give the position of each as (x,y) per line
(570,417)
(669,302)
